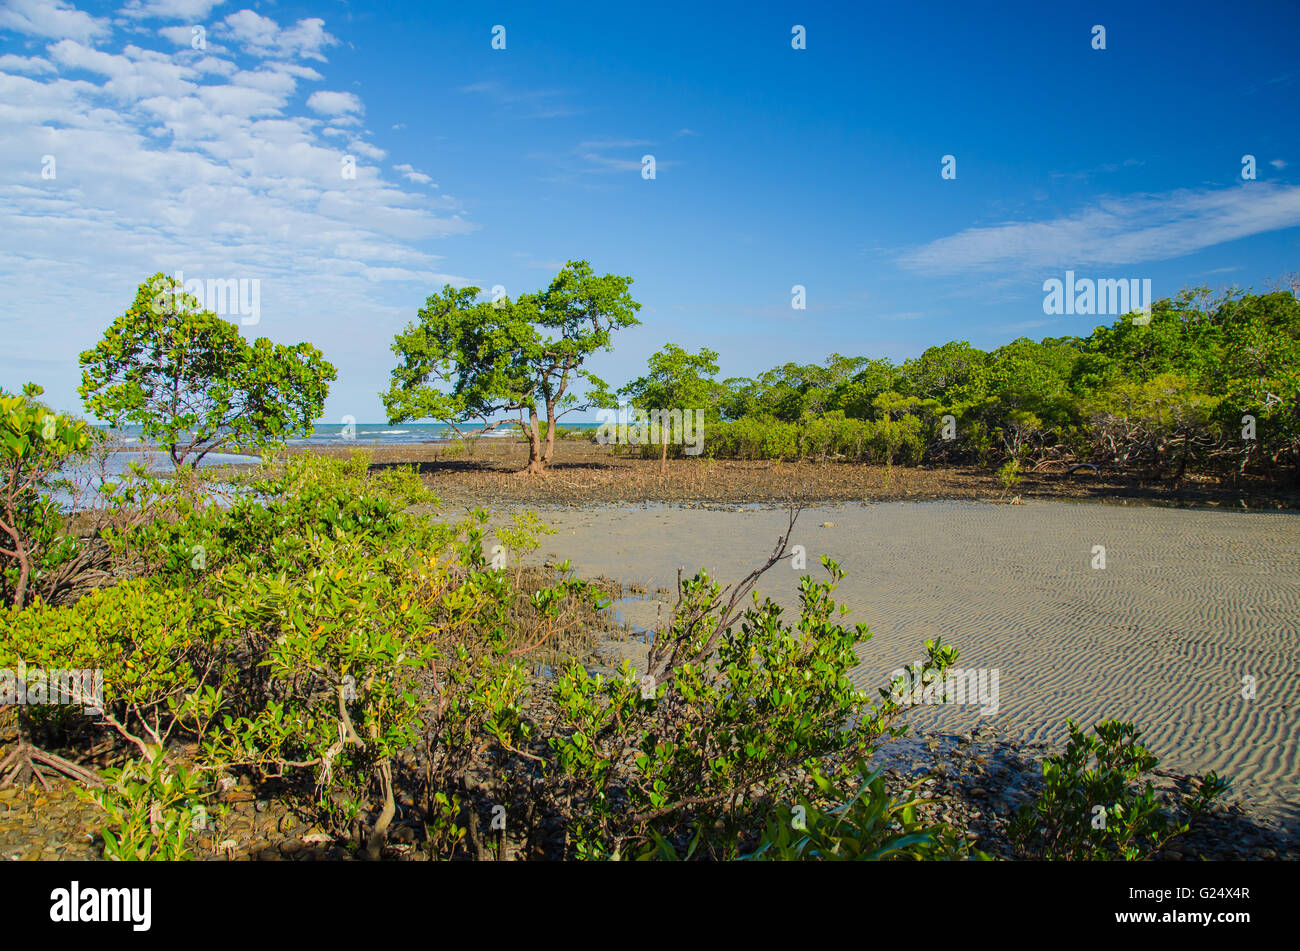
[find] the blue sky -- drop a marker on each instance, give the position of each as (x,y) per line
(775,166)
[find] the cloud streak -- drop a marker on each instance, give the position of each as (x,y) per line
(1116,231)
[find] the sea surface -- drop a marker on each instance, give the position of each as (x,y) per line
(132,450)
(383,434)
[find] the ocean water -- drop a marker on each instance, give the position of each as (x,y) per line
(383,434)
(79,482)
(86,477)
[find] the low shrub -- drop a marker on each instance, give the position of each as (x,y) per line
(870,825)
(1095,806)
(35,443)
(736,707)
(152,808)
(150,647)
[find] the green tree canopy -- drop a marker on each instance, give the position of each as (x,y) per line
(35,443)
(193,383)
(677,380)
(939,369)
(467,359)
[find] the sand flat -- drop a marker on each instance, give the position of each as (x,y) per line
(1190,603)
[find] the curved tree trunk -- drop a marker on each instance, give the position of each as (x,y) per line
(379,834)
(541,449)
(536,461)
(549,452)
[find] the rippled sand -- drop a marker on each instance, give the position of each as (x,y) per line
(1190,603)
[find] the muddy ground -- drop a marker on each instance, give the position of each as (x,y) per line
(584,473)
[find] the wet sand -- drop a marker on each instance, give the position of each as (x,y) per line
(1190,603)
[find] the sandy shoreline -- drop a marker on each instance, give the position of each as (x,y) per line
(1190,603)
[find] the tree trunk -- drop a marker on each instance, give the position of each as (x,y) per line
(21,555)
(663,458)
(549,452)
(24,573)
(379,835)
(536,462)
(1182,463)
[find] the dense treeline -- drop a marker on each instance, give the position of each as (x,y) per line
(1208,384)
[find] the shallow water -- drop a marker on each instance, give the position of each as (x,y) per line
(88,477)
(375,433)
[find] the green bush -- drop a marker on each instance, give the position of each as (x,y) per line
(1009,474)
(870,825)
(278,518)
(752,438)
(152,646)
(1094,806)
(151,807)
(35,443)
(735,708)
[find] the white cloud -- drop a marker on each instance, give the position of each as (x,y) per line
(273,81)
(306,38)
(53,19)
(296,69)
(262,36)
(1278,163)
(327,103)
(365,148)
(134,75)
(25,64)
(1117,231)
(215,66)
(190,10)
(410,174)
(243,101)
(252,28)
(180,35)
